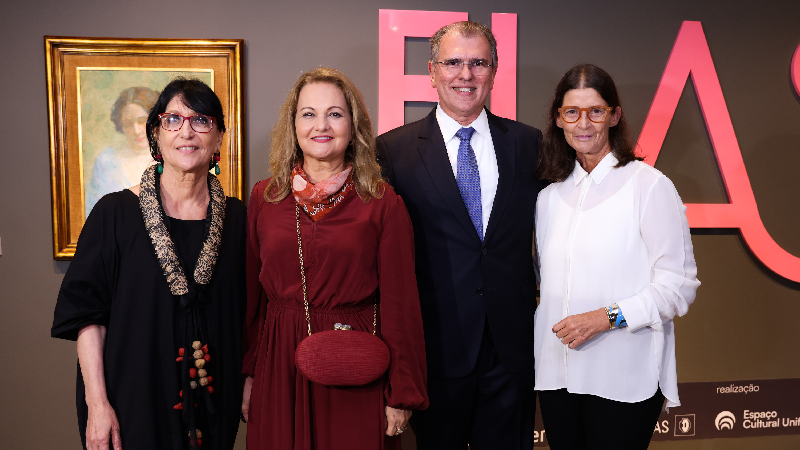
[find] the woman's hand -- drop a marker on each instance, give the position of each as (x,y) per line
(396,421)
(579,328)
(102,428)
(248,388)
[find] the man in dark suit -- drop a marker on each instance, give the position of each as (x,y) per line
(468,180)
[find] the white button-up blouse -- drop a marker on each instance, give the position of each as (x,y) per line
(615,235)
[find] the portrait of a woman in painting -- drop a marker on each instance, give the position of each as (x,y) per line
(121,165)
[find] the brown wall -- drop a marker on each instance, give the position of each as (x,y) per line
(742,325)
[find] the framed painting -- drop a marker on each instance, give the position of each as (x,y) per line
(99,92)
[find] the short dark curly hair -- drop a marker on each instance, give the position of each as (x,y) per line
(196,95)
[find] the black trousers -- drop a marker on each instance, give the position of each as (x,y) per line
(580,421)
(488,409)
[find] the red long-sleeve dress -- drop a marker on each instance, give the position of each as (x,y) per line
(354,251)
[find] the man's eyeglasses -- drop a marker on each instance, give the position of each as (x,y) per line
(478,67)
(596,114)
(174,122)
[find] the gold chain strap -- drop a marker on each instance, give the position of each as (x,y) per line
(302,266)
(303,277)
(374,316)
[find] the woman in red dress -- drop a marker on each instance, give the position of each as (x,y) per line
(357,242)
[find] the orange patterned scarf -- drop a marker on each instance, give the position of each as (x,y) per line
(319,199)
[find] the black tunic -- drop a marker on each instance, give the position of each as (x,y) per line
(115,280)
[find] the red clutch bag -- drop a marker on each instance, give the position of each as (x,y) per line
(339,357)
(342,358)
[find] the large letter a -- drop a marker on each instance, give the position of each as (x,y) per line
(691,56)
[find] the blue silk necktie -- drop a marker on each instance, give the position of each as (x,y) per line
(469,179)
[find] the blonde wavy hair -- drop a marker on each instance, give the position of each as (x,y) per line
(285,152)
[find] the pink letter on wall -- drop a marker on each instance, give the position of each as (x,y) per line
(691,56)
(796,70)
(395,87)
(503,101)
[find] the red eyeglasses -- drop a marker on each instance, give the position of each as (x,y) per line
(174,122)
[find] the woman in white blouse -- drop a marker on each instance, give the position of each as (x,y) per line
(616,265)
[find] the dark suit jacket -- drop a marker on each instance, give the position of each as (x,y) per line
(462,282)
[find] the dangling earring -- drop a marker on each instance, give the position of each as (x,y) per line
(160,167)
(216,164)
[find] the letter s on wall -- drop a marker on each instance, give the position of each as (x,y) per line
(796,70)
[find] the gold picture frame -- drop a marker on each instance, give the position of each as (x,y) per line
(90,80)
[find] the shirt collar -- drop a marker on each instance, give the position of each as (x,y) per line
(599,173)
(449,127)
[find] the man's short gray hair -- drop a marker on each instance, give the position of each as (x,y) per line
(466,29)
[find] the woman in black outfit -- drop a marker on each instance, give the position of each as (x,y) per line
(155,293)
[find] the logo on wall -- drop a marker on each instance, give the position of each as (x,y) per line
(684,425)
(764,408)
(725,420)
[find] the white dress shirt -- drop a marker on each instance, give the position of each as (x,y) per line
(483,147)
(615,235)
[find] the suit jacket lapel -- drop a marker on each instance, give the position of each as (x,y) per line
(505,152)
(434,155)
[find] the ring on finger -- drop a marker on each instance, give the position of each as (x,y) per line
(399,431)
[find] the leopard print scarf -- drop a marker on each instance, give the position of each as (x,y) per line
(153,216)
